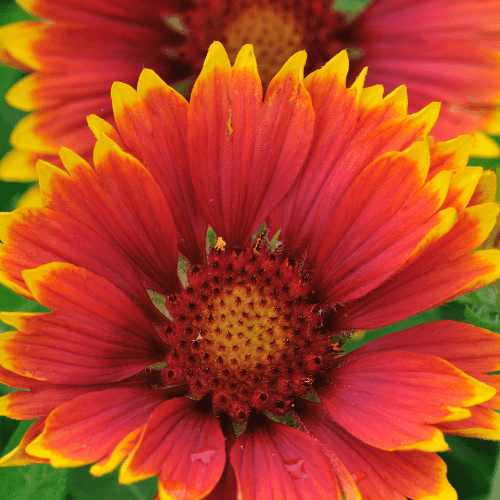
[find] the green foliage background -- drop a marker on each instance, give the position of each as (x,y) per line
(474,465)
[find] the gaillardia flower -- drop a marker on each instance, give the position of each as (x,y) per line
(444,50)
(223,371)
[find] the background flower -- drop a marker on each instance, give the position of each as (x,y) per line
(369,210)
(77,49)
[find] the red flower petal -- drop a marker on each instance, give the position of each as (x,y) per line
(450,155)
(116,456)
(14,380)
(140,221)
(379,474)
(128,10)
(483,423)
(344,143)
(462,187)
(95,334)
(184,445)
(227,488)
(245,155)
(370,237)
(278,462)
(36,236)
(142,118)
(90,426)
(41,400)
(389,400)
(469,348)
(442,280)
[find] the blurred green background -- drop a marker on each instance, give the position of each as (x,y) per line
(474,465)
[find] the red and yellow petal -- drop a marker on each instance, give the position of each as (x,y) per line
(89,427)
(379,474)
(142,117)
(95,333)
(450,155)
(19,456)
(43,397)
(18,166)
(118,455)
(74,10)
(35,236)
(278,462)
(17,42)
(184,445)
(26,138)
(149,226)
(390,400)
(442,280)
(335,118)
(12,379)
(240,154)
(472,349)
(462,187)
(483,423)
(76,55)
(369,238)
(344,143)
(99,126)
(486,189)
(140,221)
(369,141)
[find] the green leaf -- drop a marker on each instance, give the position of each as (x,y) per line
(33,482)
(14,440)
(471,466)
(495,484)
(84,486)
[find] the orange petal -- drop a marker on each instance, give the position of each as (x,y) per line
(471,349)
(483,423)
(184,445)
(37,236)
(379,474)
(368,239)
(283,460)
(378,398)
(89,427)
(95,334)
(241,154)
(142,117)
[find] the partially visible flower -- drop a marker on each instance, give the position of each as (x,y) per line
(375,222)
(444,50)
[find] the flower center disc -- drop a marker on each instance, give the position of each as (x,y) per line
(245,335)
(276,28)
(274,32)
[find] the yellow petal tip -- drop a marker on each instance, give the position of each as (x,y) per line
(245,60)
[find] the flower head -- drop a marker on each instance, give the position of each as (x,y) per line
(445,51)
(223,370)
